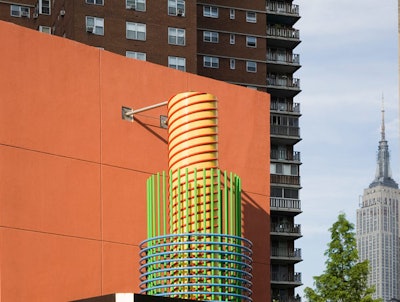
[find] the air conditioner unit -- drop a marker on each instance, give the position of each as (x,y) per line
(62,12)
(35,16)
(89,29)
(132,6)
(24,14)
(180,13)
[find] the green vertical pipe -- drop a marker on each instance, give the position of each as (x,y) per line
(195,200)
(226,204)
(170,203)
(157,201)
(147,207)
(187,199)
(179,200)
(212,200)
(232,202)
(164,204)
(219,201)
(204,200)
(239,206)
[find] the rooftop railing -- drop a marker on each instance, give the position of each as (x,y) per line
(283,8)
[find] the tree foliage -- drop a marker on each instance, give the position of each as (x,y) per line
(345,277)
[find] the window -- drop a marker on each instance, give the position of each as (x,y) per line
(19,11)
(136,31)
(211,62)
(232,39)
(44,7)
(177,63)
(95,25)
(232,13)
(210,36)
(139,5)
(176,8)
(251,17)
(176,36)
(251,66)
(136,55)
(97,2)
(210,11)
(45,29)
(251,41)
(232,63)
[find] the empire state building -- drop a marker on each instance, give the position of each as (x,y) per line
(378,227)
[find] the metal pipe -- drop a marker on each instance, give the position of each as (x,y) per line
(132,112)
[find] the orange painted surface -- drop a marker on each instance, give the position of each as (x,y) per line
(72,176)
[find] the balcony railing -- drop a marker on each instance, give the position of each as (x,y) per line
(286,299)
(283,8)
(285,130)
(289,277)
(286,228)
(283,58)
(285,179)
(285,106)
(285,155)
(283,32)
(286,253)
(285,203)
(283,81)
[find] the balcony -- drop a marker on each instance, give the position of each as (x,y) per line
(286,299)
(282,37)
(285,280)
(283,155)
(286,256)
(282,8)
(285,107)
(283,62)
(282,134)
(286,230)
(285,180)
(285,205)
(280,85)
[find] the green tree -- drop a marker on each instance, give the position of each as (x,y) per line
(345,277)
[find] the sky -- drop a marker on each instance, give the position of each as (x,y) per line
(349,58)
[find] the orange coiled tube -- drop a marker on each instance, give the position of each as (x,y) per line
(193,145)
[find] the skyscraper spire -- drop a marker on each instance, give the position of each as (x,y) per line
(383,175)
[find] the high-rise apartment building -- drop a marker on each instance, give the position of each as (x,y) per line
(378,227)
(248,43)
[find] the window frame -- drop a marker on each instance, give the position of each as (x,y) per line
(95,26)
(232,14)
(141,56)
(176,34)
(21,9)
(136,31)
(43,28)
(232,64)
(42,7)
(211,36)
(249,68)
(94,2)
(251,44)
(177,65)
(210,11)
(251,19)
(232,39)
(137,5)
(176,8)
(210,62)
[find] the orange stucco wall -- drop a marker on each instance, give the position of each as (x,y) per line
(72,172)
